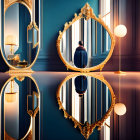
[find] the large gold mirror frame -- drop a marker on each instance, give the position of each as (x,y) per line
(86,129)
(28,4)
(20,77)
(87,13)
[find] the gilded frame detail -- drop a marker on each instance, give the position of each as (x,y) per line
(28,4)
(30,26)
(33,113)
(86,129)
(21,77)
(86,12)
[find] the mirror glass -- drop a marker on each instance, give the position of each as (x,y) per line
(33,42)
(19,51)
(85,98)
(19,98)
(85,44)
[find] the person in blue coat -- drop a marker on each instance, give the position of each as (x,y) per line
(80,56)
(80,84)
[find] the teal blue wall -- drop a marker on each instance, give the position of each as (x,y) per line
(53,15)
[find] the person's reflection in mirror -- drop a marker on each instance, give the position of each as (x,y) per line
(81,88)
(80,84)
(80,56)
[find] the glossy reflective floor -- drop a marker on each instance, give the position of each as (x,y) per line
(40,106)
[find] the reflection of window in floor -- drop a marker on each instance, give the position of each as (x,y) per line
(106,101)
(107,122)
(107,129)
(63,95)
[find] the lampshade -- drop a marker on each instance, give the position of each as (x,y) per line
(11,40)
(120,31)
(120,109)
(10,97)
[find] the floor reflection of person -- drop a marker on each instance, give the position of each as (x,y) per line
(81,88)
(80,56)
(80,84)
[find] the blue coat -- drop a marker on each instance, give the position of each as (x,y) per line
(80,57)
(80,84)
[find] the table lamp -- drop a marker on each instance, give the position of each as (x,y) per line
(12,41)
(120,31)
(11,96)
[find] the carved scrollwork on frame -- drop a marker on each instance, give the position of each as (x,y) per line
(8,3)
(86,128)
(32,26)
(86,14)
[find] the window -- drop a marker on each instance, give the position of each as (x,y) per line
(105,11)
(105,14)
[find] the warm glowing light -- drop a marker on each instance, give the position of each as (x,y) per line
(120,31)
(10,97)
(11,40)
(120,109)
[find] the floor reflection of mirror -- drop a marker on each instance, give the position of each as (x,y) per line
(53,125)
(87,100)
(20,109)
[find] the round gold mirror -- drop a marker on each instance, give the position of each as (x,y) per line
(21,36)
(86,99)
(86,43)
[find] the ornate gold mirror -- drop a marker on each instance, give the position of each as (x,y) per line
(19,107)
(21,35)
(86,43)
(87,100)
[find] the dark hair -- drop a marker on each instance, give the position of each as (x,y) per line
(81,43)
